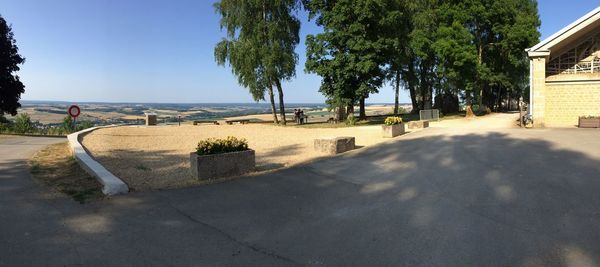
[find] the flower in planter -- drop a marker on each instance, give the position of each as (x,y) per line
(212,146)
(392,121)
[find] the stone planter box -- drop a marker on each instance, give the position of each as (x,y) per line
(589,122)
(334,145)
(390,131)
(205,167)
(418,124)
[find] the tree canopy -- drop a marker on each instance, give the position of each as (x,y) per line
(451,49)
(11,86)
(350,54)
(261,38)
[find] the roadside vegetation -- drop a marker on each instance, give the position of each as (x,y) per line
(55,166)
(352,121)
(22,125)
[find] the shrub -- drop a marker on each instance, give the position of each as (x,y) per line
(5,127)
(392,120)
(3,119)
(212,146)
(23,124)
(351,120)
(82,125)
(67,124)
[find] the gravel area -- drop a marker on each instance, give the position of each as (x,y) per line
(157,157)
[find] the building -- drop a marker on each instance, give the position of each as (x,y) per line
(565,74)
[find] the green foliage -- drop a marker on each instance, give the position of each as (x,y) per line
(11,87)
(260,45)
(350,53)
(67,124)
(23,124)
(217,146)
(392,120)
(351,120)
(82,125)
(69,127)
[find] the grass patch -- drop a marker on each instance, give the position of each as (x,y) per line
(56,167)
(141,167)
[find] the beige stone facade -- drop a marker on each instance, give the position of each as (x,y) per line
(565,74)
(566,101)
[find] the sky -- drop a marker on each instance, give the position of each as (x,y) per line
(161,51)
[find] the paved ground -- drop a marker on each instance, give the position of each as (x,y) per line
(444,196)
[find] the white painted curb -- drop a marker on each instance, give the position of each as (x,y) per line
(112,185)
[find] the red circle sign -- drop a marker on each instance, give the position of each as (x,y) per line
(74,111)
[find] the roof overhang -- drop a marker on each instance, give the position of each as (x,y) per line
(538,53)
(570,34)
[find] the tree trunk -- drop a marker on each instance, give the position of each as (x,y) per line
(272,99)
(362,113)
(350,109)
(281,104)
(341,113)
(478,79)
(397,93)
(413,98)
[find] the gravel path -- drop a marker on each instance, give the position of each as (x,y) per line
(158,157)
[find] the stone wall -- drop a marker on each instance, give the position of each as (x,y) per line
(539,91)
(565,102)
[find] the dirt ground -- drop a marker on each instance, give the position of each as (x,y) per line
(491,121)
(158,156)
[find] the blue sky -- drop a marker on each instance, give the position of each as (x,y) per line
(159,51)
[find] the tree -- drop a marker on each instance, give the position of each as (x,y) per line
(469,48)
(23,124)
(349,54)
(397,52)
(11,87)
(501,30)
(260,43)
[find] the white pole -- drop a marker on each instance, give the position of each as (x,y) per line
(530,87)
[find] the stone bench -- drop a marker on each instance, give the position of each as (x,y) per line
(418,124)
(230,122)
(334,145)
(201,122)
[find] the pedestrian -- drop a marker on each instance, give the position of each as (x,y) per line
(296,116)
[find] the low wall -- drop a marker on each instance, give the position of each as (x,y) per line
(111,184)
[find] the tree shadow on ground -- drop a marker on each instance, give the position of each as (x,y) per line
(474,199)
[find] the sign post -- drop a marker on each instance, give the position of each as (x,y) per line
(74,112)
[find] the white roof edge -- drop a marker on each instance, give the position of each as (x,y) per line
(565,29)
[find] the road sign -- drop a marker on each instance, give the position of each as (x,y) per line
(74,111)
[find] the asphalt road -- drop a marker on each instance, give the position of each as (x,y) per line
(440,197)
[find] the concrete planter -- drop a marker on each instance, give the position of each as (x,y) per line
(589,122)
(418,124)
(334,145)
(390,131)
(205,167)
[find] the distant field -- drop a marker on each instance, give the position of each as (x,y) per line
(109,113)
